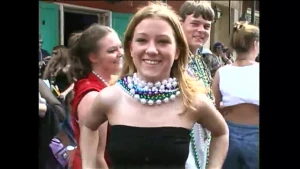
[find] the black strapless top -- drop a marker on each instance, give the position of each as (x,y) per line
(151,148)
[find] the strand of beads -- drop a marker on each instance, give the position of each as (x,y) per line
(100,78)
(194,148)
(150,93)
(201,71)
(207,148)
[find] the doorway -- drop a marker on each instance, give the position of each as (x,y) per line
(77,22)
(75,18)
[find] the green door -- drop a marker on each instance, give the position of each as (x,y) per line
(49,25)
(120,22)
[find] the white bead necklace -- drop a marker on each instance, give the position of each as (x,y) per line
(169,85)
(150,93)
(100,78)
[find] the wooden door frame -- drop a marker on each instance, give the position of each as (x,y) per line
(63,7)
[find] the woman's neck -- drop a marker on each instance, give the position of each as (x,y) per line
(152,79)
(104,74)
(244,60)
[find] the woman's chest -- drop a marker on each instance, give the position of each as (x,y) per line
(137,114)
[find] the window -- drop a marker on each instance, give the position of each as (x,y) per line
(256,19)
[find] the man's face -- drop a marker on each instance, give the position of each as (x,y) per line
(197,30)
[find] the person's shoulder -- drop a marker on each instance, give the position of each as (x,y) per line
(201,97)
(110,89)
(203,102)
(110,94)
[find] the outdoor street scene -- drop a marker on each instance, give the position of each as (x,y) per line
(148,84)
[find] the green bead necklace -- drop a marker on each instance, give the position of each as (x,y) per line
(152,95)
(200,70)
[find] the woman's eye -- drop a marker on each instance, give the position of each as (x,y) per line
(140,40)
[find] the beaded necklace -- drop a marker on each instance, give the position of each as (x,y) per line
(150,93)
(100,78)
(199,70)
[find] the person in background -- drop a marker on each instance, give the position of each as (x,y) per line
(67,135)
(56,73)
(57,69)
(44,55)
(228,53)
(46,97)
(196,18)
(70,96)
(218,51)
(211,61)
(51,113)
(205,52)
(95,55)
(237,87)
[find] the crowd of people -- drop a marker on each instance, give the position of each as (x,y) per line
(157,101)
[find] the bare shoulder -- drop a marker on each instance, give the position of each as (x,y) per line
(109,95)
(89,97)
(202,100)
(203,104)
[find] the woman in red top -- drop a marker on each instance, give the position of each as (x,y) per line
(95,56)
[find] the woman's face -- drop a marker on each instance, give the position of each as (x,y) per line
(110,54)
(153,49)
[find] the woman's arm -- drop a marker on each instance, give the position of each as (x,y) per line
(96,106)
(83,109)
(212,120)
(64,93)
(101,163)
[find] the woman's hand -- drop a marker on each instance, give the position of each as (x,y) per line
(62,95)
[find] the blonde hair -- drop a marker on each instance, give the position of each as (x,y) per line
(243,37)
(188,86)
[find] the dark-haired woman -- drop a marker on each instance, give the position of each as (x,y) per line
(95,57)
